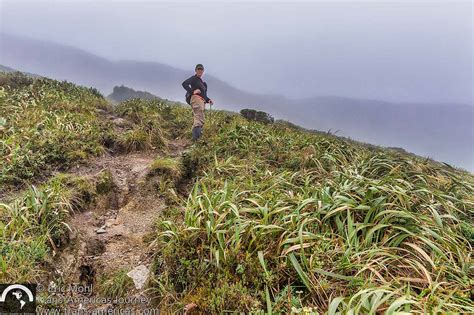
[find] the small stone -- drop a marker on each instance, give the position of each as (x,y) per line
(102,230)
(139,276)
(119,122)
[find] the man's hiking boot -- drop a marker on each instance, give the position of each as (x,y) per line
(196,133)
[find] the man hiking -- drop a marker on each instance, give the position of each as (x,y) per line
(196,96)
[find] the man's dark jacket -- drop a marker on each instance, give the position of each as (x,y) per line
(192,83)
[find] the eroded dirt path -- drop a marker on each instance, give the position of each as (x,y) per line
(111,237)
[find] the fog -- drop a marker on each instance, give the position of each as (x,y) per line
(394,51)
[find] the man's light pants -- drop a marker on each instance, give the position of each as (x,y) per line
(197,104)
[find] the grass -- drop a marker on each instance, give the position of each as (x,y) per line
(277,219)
(165,174)
(46,124)
(33,227)
(115,285)
(45,127)
(169,166)
(154,124)
(318,222)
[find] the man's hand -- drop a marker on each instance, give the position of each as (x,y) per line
(197,91)
(211,102)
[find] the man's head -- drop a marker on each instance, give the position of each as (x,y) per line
(199,69)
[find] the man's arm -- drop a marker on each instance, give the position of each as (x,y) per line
(187,84)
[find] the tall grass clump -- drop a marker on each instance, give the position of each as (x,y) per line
(148,129)
(34,226)
(154,123)
(288,221)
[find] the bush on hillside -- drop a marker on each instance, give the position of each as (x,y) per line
(255,115)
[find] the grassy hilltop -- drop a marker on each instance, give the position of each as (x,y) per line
(256,218)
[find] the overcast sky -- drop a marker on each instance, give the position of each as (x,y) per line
(396,51)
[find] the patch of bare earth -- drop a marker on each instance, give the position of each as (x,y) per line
(112,235)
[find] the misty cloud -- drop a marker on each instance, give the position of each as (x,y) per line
(397,51)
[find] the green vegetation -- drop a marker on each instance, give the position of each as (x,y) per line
(256,115)
(170,172)
(123,93)
(281,219)
(34,226)
(46,124)
(154,122)
(169,166)
(171,117)
(277,219)
(115,285)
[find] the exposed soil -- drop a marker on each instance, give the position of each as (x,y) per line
(113,234)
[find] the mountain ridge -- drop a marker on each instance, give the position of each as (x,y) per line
(439,130)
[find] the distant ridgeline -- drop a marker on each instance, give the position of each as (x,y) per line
(123,93)
(6,69)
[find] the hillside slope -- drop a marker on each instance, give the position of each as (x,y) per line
(253,217)
(442,131)
(281,219)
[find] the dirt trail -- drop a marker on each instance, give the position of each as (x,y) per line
(112,235)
